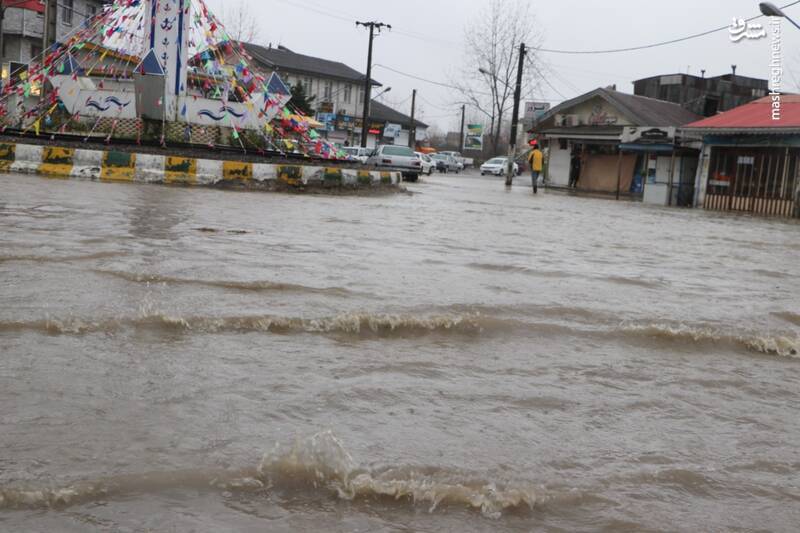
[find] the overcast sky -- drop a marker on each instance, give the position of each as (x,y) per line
(428,36)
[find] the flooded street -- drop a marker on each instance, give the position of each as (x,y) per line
(460,359)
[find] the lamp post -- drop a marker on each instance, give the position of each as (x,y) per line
(771,10)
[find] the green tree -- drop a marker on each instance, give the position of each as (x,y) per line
(301,101)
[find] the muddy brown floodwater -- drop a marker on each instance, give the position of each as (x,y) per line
(463,359)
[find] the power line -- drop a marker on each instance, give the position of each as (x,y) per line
(653,45)
(406,74)
(441,108)
(423,37)
(438,83)
(319,11)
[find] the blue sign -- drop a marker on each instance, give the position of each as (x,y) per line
(329,119)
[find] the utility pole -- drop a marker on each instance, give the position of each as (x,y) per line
(512,145)
(412,132)
(368,81)
(50,24)
(461,141)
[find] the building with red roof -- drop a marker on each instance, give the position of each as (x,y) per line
(750,161)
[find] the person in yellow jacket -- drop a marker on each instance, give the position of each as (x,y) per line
(536,161)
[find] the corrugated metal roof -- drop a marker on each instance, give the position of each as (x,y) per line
(755,116)
(379,111)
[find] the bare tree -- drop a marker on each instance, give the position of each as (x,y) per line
(487,79)
(240,23)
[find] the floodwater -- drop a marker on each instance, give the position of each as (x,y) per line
(460,359)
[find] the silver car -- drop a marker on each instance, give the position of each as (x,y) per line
(399,157)
(446,163)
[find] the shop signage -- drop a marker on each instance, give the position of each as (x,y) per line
(392,130)
(645,135)
(474,138)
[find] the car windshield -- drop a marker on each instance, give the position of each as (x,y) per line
(496,161)
(398,150)
(439,157)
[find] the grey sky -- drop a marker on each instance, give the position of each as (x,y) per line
(428,36)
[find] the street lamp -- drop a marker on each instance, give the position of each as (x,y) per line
(771,10)
(386,90)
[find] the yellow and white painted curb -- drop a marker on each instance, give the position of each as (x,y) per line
(112,165)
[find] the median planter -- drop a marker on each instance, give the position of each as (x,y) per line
(123,166)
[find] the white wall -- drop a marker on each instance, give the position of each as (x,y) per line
(658,193)
(558,167)
(701,181)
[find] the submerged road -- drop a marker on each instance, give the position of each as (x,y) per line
(462,359)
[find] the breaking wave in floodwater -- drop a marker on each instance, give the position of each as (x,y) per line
(402,325)
(495,361)
(319,465)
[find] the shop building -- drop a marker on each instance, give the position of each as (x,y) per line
(750,159)
(610,142)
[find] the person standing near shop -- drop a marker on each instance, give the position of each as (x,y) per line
(536,161)
(575,164)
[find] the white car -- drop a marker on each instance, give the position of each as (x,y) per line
(427,163)
(356,153)
(498,166)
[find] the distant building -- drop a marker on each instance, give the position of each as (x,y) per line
(700,95)
(23,25)
(338,92)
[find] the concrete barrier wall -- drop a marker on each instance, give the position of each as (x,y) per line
(117,166)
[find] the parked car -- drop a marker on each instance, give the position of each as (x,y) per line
(400,157)
(427,163)
(498,166)
(463,161)
(446,163)
(356,153)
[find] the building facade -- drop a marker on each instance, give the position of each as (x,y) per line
(23,25)
(750,162)
(700,95)
(614,143)
(338,92)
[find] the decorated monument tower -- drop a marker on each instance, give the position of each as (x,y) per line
(150,61)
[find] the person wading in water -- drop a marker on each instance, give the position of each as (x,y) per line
(536,161)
